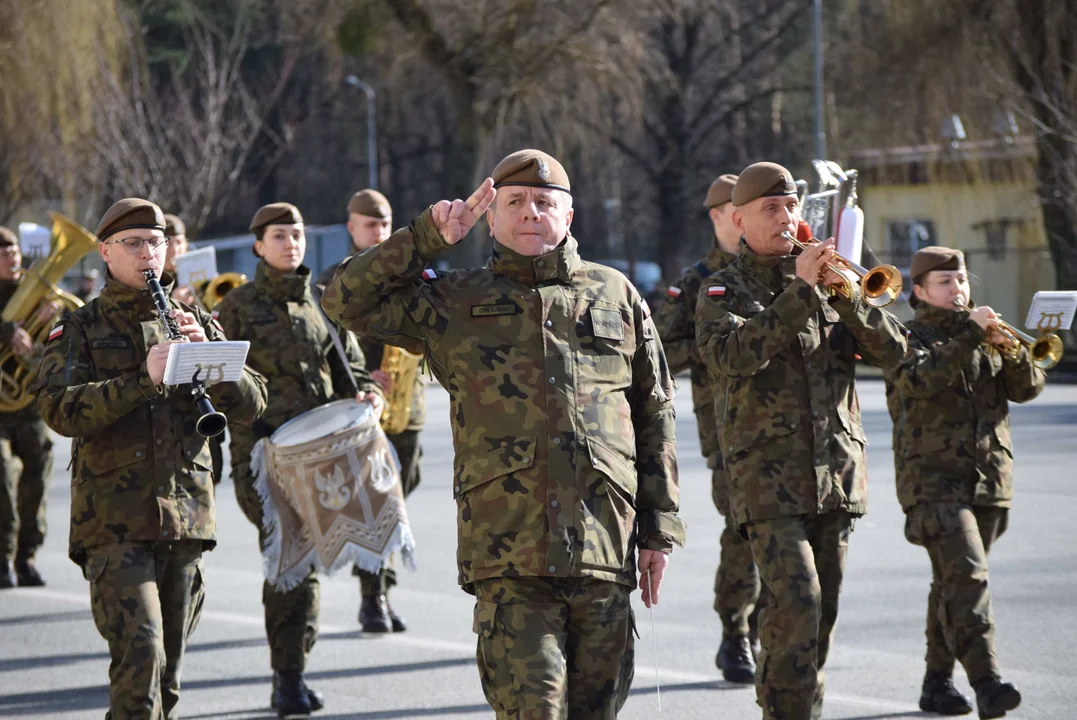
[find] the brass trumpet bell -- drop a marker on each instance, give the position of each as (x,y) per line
(1045,351)
(879,287)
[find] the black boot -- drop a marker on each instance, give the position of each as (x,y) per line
(398,622)
(27,574)
(290,695)
(8,579)
(994,697)
(374,614)
(939,695)
(313,696)
(734,659)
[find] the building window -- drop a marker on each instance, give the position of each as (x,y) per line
(906,237)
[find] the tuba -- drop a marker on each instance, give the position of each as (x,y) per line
(215,290)
(402,366)
(70,241)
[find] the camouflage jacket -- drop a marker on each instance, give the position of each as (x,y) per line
(949,402)
(291,347)
(782,357)
(373,350)
(141,472)
(560,401)
(675,320)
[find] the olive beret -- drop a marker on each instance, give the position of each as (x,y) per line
(371,203)
(532,168)
(935,257)
(280,213)
(763,179)
(128,214)
(7,238)
(174,226)
(721,191)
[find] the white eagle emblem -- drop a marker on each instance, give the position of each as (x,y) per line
(543,170)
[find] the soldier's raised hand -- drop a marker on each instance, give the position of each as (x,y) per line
(455,219)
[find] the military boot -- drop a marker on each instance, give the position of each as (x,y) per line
(313,696)
(994,697)
(939,695)
(398,622)
(374,614)
(735,660)
(27,574)
(8,579)
(290,695)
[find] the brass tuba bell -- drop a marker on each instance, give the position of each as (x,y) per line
(218,287)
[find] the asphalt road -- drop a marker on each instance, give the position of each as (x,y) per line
(53,664)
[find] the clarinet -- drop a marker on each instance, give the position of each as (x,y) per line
(210,422)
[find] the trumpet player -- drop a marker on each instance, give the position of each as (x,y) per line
(949,400)
(291,346)
(781,353)
(370,220)
(23,435)
(142,499)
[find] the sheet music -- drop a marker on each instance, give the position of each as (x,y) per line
(196,266)
(1052,310)
(213,361)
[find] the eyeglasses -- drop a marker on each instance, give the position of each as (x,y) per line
(133,245)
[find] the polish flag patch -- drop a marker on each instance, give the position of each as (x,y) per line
(716,291)
(215,314)
(673,291)
(429,274)
(56,332)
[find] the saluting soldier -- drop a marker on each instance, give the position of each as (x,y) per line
(953,456)
(736,583)
(292,347)
(370,220)
(142,499)
(23,435)
(562,416)
(782,353)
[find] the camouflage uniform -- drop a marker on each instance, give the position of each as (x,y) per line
(736,583)
(406,444)
(291,347)
(954,458)
(562,414)
(781,355)
(23,495)
(142,499)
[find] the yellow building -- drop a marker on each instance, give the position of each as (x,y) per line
(979,197)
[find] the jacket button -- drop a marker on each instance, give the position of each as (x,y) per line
(549,323)
(553,380)
(160,488)
(557,441)
(138,453)
(553,568)
(553,503)
(456,489)
(526,460)
(541,263)
(189,453)
(792,426)
(164,534)
(159,441)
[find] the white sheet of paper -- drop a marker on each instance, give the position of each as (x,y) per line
(196,266)
(34,240)
(1052,310)
(213,361)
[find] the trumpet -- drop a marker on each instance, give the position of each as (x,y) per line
(879,286)
(1045,351)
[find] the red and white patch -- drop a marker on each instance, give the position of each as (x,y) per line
(215,314)
(56,332)
(429,274)
(673,291)
(716,291)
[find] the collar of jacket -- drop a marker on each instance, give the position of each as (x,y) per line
(717,258)
(280,286)
(129,298)
(773,271)
(947,320)
(558,264)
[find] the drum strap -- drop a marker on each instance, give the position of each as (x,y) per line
(337,343)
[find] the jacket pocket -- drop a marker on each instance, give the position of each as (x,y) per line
(97,458)
(609,507)
(738,439)
(852,426)
(517,454)
(620,471)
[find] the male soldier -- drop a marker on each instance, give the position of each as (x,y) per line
(142,505)
(176,232)
(291,346)
(736,584)
(370,220)
(23,435)
(561,405)
(782,353)
(953,456)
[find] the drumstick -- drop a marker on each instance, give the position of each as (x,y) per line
(654,640)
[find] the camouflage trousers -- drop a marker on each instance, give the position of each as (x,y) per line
(738,593)
(23,493)
(291,618)
(146,600)
(554,648)
(801,560)
(960,624)
(410,453)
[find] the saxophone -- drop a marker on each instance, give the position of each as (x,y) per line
(402,366)
(70,241)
